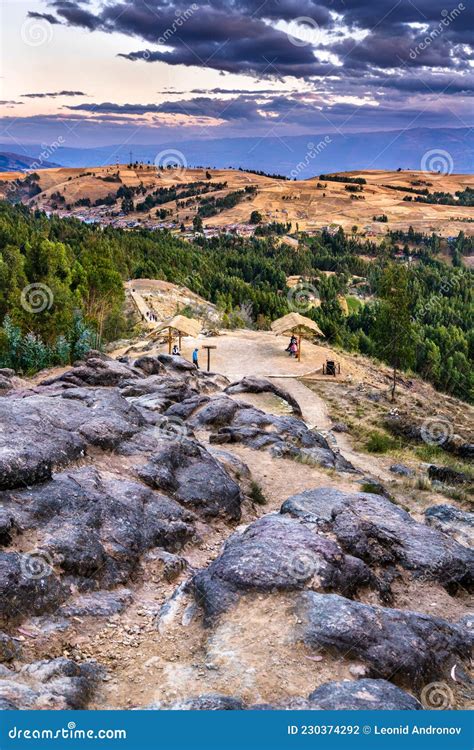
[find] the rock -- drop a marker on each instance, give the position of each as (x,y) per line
(392,642)
(9,649)
(96,527)
(453,521)
(447,476)
(365,694)
(381,533)
(97,604)
(7,372)
(276,554)
(27,586)
(96,371)
(149,365)
(251,384)
(51,684)
(340,427)
(401,470)
(238,422)
(209,702)
(172,362)
(187,471)
(45,430)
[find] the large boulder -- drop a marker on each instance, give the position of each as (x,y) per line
(186,470)
(43,431)
(92,527)
(393,643)
(96,371)
(277,554)
(381,533)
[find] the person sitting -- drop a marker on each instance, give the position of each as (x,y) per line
(293,349)
(293,340)
(176,351)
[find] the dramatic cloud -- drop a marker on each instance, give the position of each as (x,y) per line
(325,64)
(53,94)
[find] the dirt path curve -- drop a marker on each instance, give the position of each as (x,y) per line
(262,354)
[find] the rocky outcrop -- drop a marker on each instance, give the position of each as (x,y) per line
(394,644)
(277,554)
(92,528)
(187,471)
(381,533)
(251,384)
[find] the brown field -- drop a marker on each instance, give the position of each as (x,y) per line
(300,202)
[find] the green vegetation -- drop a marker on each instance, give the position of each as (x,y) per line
(379,442)
(84,266)
(342,178)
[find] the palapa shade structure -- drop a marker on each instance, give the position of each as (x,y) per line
(295,324)
(180,325)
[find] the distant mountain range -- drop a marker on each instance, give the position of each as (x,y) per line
(10,162)
(448,149)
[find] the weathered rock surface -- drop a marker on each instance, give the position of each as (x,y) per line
(453,521)
(24,589)
(401,470)
(277,554)
(9,649)
(251,384)
(378,531)
(92,527)
(209,702)
(55,684)
(395,644)
(239,422)
(42,431)
(187,471)
(365,694)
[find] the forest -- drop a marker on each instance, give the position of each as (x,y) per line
(61,289)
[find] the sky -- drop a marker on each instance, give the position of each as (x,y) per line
(98,72)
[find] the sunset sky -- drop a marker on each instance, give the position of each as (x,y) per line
(101,72)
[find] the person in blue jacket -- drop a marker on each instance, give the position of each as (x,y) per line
(195,357)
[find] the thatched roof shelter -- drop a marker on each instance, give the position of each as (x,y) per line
(298,325)
(180,325)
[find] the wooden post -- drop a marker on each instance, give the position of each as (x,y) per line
(208,347)
(170,340)
(180,342)
(299,348)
